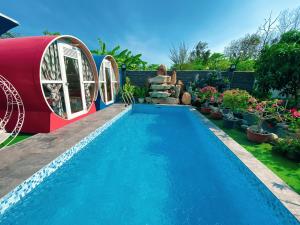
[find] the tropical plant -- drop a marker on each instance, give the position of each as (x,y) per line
(132,61)
(9,34)
(128,88)
(236,100)
(278,66)
(200,52)
(140,92)
(46,32)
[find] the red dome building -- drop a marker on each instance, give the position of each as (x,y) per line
(55,76)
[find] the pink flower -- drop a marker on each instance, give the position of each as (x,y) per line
(252,100)
(295,113)
(212,99)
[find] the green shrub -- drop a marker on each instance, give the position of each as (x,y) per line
(236,100)
(289,147)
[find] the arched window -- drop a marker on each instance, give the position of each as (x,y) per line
(108,82)
(67,80)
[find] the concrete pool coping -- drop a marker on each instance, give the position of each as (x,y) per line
(288,197)
(21,160)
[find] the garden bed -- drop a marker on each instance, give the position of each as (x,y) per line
(287,170)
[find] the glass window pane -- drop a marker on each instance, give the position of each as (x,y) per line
(50,69)
(86,68)
(73,79)
(55,97)
(102,92)
(108,83)
(89,90)
(116,89)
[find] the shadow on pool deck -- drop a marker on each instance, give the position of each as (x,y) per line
(20,161)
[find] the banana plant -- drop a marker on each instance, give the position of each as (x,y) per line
(132,62)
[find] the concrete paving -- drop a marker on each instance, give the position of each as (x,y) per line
(20,161)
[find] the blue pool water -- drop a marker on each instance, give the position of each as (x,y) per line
(154,166)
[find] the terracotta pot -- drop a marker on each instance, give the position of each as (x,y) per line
(205,110)
(216,115)
(258,137)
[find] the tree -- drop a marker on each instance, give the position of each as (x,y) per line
(200,52)
(179,56)
(289,20)
(9,34)
(268,31)
(46,32)
(218,61)
(243,49)
(132,62)
(278,66)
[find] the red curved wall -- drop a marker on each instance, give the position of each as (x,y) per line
(20,60)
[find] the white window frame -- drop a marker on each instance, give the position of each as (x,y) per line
(102,80)
(64,82)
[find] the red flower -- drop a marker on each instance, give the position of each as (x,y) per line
(295,113)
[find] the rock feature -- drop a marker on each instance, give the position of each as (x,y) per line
(186,98)
(159,94)
(160,79)
(160,87)
(163,88)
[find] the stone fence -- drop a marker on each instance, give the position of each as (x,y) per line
(241,80)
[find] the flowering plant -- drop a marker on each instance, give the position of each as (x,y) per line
(236,100)
(292,117)
(295,113)
(207,94)
(266,110)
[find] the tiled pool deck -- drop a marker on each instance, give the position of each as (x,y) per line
(21,161)
(278,187)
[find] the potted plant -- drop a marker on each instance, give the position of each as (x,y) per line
(206,95)
(140,94)
(127,91)
(237,101)
(264,110)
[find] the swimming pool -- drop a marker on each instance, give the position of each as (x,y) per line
(154,165)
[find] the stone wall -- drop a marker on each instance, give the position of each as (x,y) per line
(242,80)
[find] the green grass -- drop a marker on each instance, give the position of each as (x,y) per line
(287,170)
(19,138)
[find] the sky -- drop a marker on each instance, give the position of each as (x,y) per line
(147,27)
